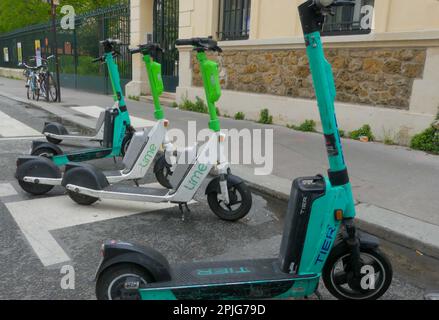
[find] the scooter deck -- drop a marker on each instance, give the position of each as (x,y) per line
(118,188)
(221,280)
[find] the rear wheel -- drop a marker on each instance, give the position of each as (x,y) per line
(341,282)
(53,91)
(52,129)
(82,199)
(34,189)
(112,283)
(125,144)
(162,171)
(44,152)
(240,203)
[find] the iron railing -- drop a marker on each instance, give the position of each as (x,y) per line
(234,19)
(76,48)
(347,20)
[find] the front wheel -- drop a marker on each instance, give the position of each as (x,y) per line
(238,207)
(82,199)
(341,282)
(163,172)
(111,283)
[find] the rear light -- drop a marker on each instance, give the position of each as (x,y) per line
(339,215)
(166,123)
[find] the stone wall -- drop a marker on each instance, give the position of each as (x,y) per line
(374,77)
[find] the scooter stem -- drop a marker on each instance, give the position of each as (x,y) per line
(312,21)
(214,123)
(115,80)
(159,113)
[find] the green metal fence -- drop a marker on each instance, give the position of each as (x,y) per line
(76,48)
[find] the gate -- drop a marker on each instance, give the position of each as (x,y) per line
(77,48)
(166,33)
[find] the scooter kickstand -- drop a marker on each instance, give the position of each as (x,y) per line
(136,182)
(182,206)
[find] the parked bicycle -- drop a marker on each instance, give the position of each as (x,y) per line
(40,81)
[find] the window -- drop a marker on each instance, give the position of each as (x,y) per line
(347,19)
(234,19)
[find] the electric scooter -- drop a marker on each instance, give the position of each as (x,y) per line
(144,146)
(313,243)
(228,196)
(56,132)
(37,174)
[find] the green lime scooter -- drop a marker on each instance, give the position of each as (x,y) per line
(313,244)
(47,158)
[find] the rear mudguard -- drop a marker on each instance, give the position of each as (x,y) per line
(37,145)
(84,175)
(214,185)
(56,128)
(45,167)
(116,252)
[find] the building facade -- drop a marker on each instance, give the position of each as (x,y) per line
(388,79)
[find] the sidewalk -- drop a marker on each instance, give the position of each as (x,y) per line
(397,189)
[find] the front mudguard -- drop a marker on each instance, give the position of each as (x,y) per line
(42,166)
(84,175)
(38,145)
(116,252)
(367,241)
(214,185)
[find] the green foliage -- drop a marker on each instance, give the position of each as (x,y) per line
(265,117)
(198,106)
(342,133)
(239,116)
(306,126)
(426,141)
(174,105)
(364,131)
(85,65)
(15,14)
(135,98)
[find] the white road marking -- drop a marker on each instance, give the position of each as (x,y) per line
(95,111)
(37,218)
(10,127)
(6,190)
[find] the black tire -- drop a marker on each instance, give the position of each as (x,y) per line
(44,152)
(28,93)
(53,90)
(125,144)
(162,171)
(52,129)
(82,199)
(35,189)
(110,281)
(229,213)
(334,282)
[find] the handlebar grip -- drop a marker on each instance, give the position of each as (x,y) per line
(97,60)
(186,42)
(135,51)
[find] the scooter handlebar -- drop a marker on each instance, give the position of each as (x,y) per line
(201,43)
(149,48)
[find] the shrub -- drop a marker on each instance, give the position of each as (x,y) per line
(174,105)
(265,117)
(306,126)
(135,98)
(198,106)
(239,116)
(364,131)
(427,141)
(342,133)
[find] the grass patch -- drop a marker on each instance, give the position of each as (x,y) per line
(265,117)
(239,116)
(427,141)
(135,98)
(364,131)
(306,126)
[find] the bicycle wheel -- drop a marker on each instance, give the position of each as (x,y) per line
(53,89)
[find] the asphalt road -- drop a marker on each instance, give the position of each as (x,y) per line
(26,273)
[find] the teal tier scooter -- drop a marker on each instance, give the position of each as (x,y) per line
(313,244)
(47,158)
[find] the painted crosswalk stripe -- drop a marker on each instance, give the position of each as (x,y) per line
(10,127)
(6,190)
(38,217)
(95,111)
